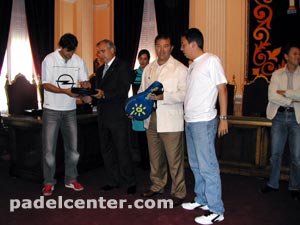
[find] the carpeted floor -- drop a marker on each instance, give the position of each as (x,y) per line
(243,202)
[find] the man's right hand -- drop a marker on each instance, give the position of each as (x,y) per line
(100,94)
(281,92)
(52,88)
(69,92)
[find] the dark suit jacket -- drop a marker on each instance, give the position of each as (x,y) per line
(115,84)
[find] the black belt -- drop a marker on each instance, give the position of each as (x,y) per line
(285,109)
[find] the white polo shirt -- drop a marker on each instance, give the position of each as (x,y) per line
(63,74)
(205,73)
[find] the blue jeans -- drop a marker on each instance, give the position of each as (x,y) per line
(65,121)
(200,137)
(285,127)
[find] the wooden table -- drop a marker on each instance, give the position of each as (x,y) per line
(25,145)
(245,149)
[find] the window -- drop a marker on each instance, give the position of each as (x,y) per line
(149,30)
(18,57)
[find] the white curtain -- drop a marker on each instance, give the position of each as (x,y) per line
(19,55)
(18,58)
(149,30)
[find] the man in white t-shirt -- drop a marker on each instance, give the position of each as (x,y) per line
(61,70)
(205,82)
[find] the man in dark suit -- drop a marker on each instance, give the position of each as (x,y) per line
(113,83)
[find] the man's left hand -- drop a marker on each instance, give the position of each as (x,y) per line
(223,128)
(85,84)
(86,99)
(157,97)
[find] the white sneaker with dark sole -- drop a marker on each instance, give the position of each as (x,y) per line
(209,218)
(194,205)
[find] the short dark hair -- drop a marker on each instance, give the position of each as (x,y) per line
(144,51)
(287,47)
(68,41)
(163,36)
(193,34)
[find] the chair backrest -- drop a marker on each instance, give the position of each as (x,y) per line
(21,95)
(231,89)
(255,97)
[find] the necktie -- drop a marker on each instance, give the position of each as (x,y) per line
(104,70)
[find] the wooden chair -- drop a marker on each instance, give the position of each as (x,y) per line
(231,91)
(21,95)
(255,97)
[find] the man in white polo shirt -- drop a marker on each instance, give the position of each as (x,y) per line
(205,82)
(62,70)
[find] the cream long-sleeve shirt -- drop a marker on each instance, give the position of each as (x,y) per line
(169,111)
(279,82)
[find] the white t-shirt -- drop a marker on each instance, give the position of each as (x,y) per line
(205,73)
(63,74)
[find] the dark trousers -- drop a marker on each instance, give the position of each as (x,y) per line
(139,148)
(115,152)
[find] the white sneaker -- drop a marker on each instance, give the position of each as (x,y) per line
(194,205)
(209,218)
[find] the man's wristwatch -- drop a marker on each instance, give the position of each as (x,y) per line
(223,117)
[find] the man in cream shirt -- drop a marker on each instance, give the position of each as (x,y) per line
(284,111)
(165,126)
